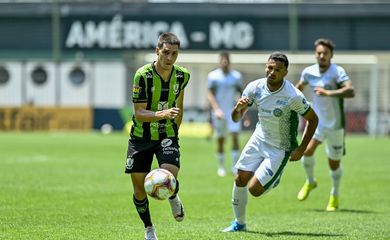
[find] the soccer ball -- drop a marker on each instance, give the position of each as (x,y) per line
(160,184)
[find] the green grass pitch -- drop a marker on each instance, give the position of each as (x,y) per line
(72,186)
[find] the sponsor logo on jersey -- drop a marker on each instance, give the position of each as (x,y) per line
(136,89)
(179,75)
(166,142)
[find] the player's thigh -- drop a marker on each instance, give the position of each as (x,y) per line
(271,168)
(220,127)
(168,153)
(139,156)
(251,155)
(335,144)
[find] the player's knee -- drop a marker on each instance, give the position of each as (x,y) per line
(334,164)
(256,191)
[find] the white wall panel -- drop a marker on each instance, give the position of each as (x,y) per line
(72,94)
(109,84)
(11,91)
(41,94)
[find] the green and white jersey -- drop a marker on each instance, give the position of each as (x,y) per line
(148,87)
(277,112)
(330,110)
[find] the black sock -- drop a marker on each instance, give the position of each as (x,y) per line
(176,190)
(142,208)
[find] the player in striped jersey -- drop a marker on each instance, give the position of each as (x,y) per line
(158,94)
(329,85)
(273,142)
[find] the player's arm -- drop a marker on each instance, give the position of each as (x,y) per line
(144,115)
(179,104)
(240,109)
(300,85)
(214,104)
(311,125)
(346,91)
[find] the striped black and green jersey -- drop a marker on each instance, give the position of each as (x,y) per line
(148,87)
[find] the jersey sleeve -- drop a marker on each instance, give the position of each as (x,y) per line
(139,88)
(249,92)
(210,82)
(299,103)
(304,75)
(342,75)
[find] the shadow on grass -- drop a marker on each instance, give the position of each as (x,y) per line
(347,211)
(290,233)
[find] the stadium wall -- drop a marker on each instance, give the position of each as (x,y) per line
(84,54)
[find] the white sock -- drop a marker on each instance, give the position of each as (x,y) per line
(239,201)
(336,176)
(221,160)
(308,164)
(235,154)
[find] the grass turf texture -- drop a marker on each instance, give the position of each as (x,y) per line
(72,186)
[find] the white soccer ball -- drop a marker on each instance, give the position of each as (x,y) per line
(160,184)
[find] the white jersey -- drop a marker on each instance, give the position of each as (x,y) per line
(330,110)
(226,88)
(277,112)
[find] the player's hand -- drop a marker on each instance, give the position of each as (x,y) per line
(242,103)
(219,114)
(172,113)
(319,91)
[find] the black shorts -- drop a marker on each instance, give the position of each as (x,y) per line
(140,154)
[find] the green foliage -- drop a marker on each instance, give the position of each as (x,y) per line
(73,186)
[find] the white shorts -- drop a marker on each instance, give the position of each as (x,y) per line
(225,125)
(266,161)
(334,141)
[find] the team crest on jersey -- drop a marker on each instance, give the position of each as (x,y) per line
(277,112)
(176,88)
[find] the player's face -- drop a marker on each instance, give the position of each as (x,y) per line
(167,55)
(275,72)
(323,56)
(224,63)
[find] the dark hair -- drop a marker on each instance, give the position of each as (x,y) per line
(169,38)
(279,56)
(326,42)
(225,55)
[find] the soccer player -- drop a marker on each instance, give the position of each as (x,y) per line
(329,85)
(158,93)
(273,142)
(224,88)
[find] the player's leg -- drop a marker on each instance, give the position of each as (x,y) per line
(138,164)
(308,163)
(168,156)
(248,162)
(220,132)
(334,151)
(239,201)
(235,151)
(269,172)
(234,128)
